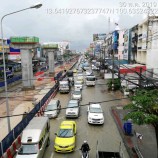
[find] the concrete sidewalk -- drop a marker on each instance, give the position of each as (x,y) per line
(34,96)
(145,148)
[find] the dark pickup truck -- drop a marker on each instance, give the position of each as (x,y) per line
(107,154)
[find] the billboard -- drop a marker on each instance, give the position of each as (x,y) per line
(97,37)
(115,37)
(91,45)
(14,54)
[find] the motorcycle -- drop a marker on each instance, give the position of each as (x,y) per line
(85,154)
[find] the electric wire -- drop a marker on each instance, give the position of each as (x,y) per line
(82,105)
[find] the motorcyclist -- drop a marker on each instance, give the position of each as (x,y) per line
(85,147)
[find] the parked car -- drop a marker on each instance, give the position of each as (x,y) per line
(73,109)
(53,108)
(65,140)
(76,94)
(95,114)
(78,85)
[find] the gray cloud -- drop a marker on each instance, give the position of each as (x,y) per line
(76,28)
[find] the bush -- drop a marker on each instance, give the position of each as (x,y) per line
(117,84)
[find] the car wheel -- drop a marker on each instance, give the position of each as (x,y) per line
(48,142)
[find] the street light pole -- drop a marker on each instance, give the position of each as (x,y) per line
(112,70)
(4,66)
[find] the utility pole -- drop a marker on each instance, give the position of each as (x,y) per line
(104,59)
(140,78)
(113,70)
(119,67)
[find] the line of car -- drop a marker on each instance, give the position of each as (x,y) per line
(36,136)
(66,135)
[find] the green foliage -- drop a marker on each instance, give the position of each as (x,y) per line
(117,84)
(144,107)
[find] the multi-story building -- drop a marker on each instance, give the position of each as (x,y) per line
(152,45)
(134,41)
(121,44)
(142,42)
(127,45)
(6,48)
(108,45)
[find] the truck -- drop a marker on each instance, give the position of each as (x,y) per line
(70,75)
(107,154)
(64,86)
(90,80)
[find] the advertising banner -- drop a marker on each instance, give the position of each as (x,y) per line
(97,37)
(115,37)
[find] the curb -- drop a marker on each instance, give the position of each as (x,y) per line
(126,139)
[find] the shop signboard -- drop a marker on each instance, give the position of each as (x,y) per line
(97,37)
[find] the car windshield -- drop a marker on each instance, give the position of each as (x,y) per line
(70,74)
(80,74)
(78,83)
(95,110)
(28,149)
(71,105)
(51,107)
(90,78)
(63,85)
(64,133)
(77,93)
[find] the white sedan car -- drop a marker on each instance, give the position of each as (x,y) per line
(95,114)
(76,94)
(78,85)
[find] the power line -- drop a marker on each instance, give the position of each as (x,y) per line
(67,107)
(140,75)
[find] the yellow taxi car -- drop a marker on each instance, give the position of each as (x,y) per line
(65,137)
(74,70)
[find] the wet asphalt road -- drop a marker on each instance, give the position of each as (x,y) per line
(107,135)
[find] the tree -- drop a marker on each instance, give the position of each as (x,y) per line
(117,84)
(144,108)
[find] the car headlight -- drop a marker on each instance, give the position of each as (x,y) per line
(55,113)
(90,118)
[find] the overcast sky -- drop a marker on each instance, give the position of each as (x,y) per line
(59,20)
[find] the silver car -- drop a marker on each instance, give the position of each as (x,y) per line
(78,85)
(53,108)
(73,109)
(76,94)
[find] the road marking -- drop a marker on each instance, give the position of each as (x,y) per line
(52,155)
(59,118)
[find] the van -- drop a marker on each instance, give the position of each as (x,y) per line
(35,138)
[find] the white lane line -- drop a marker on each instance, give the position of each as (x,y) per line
(52,155)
